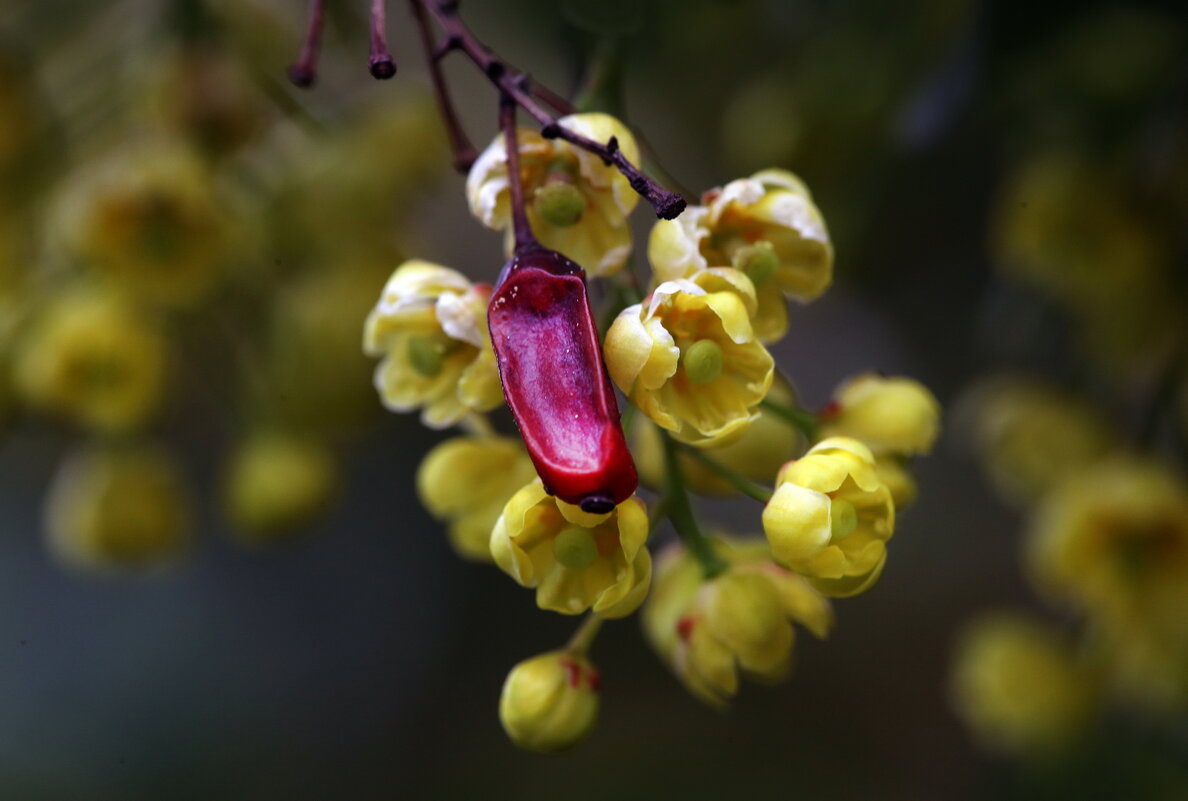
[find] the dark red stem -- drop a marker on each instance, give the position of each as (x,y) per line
(304,71)
(513,83)
(464,152)
(379,62)
(525,240)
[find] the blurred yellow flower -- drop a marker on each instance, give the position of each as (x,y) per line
(277,482)
(1113,540)
(150,222)
(577,205)
(889,415)
(757,454)
(1068,227)
(430,327)
(768,227)
(831,516)
(117,509)
(466,481)
(95,359)
(550,702)
(708,632)
(575,560)
(1030,435)
(689,360)
(1019,687)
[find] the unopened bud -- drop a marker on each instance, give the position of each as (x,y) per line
(550,702)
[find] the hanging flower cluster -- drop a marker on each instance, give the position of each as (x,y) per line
(559,509)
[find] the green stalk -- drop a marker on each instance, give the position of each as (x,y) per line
(806,421)
(579,644)
(680,512)
(746,486)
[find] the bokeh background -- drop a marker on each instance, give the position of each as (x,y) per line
(360,658)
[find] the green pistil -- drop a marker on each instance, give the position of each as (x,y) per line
(757,261)
(426,355)
(843,519)
(703,361)
(559,203)
(575,548)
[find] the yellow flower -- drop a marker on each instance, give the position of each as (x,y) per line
(831,516)
(889,415)
(550,702)
(688,359)
(466,481)
(430,325)
(94,359)
(151,223)
(757,454)
(117,509)
(1113,540)
(1068,227)
(276,483)
(1031,436)
(708,632)
(768,227)
(576,204)
(575,560)
(1019,687)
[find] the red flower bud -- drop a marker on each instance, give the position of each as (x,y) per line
(554,380)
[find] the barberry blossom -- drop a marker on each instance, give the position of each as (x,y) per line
(708,632)
(768,227)
(688,358)
(575,560)
(430,327)
(576,204)
(831,516)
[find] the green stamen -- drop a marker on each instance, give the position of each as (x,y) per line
(843,519)
(559,203)
(426,355)
(758,261)
(575,548)
(703,361)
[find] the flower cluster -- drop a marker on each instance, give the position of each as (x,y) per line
(1107,539)
(708,414)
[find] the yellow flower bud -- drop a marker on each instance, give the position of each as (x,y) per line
(94,359)
(1019,687)
(524,543)
(583,217)
(430,327)
(889,415)
(117,510)
(466,481)
(689,360)
(276,483)
(830,517)
(741,621)
(549,703)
